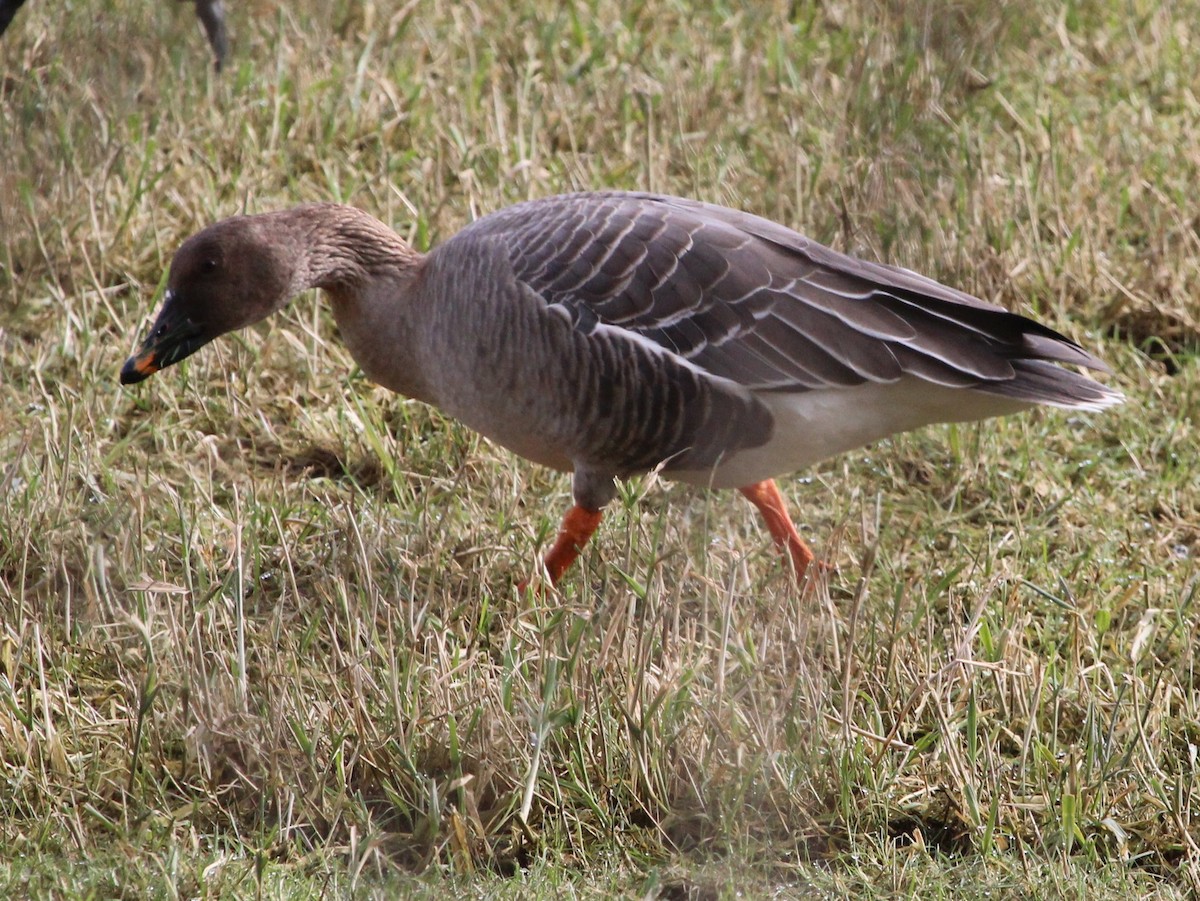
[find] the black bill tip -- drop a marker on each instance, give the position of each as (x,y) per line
(139,367)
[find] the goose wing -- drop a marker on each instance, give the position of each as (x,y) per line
(751,301)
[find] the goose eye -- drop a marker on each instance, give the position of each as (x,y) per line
(209,265)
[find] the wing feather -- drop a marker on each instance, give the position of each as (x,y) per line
(753,302)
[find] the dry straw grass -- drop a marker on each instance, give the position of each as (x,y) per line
(257,622)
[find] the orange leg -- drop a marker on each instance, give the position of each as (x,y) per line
(577,527)
(765,495)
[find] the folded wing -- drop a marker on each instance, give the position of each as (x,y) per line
(751,301)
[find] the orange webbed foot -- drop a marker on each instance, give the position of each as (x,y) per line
(805,566)
(576,530)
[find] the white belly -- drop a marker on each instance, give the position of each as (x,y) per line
(815,425)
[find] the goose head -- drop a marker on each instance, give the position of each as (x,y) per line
(226,277)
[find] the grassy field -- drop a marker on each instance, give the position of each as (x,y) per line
(258,629)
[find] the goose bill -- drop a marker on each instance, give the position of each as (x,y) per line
(174,337)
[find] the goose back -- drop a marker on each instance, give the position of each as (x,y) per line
(749,300)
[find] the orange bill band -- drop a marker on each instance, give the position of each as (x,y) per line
(140,366)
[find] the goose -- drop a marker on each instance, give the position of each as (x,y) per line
(609,334)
